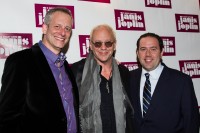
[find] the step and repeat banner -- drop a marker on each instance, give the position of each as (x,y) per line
(176,21)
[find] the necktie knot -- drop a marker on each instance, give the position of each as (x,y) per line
(147,75)
(62,56)
(60,60)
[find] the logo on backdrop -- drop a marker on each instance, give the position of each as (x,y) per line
(187,23)
(190,67)
(129,20)
(169,46)
(102,1)
(158,3)
(13,42)
(41,10)
(84,42)
(130,65)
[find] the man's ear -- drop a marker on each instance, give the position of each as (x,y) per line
(44,28)
(115,45)
(162,52)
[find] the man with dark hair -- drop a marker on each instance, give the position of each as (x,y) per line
(163,98)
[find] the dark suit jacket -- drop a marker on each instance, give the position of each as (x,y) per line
(29,98)
(173,106)
(77,69)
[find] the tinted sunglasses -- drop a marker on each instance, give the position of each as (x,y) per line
(99,44)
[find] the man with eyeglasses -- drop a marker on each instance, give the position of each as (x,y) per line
(102,83)
(39,93)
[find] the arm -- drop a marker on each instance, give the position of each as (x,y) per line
(189,108)
(12,96)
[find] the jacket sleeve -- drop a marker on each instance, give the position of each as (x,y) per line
(125,78)
(190,111)
(12,95)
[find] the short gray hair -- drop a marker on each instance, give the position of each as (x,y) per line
(48,15)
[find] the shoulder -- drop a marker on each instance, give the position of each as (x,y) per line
(23,54)
(18,57)
(122,68)
(125,75)
(175,73)
(16,63)
(124,72)
(19,53)
(78,63)
(176,78)
(78,66)
(136,72)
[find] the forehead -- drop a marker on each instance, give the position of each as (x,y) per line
(61,17)
(149,42)
(103,33)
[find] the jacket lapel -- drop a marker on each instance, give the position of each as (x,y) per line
(43,66)
(158,91)
(137,86)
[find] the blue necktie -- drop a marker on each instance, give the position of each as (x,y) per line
(146,94)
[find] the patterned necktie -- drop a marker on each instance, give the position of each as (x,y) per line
(66,95)
(59,63)
(60,60)
(146,94)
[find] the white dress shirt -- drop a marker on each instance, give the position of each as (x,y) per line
(154,76)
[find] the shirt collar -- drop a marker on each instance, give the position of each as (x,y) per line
(50,56)
(154,74)
(48,53)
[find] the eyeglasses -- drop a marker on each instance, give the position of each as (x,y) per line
(99,44)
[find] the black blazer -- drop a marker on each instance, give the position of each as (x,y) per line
(77,69)
(173,108)
(29,98)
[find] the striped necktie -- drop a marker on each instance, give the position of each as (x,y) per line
(146,94)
